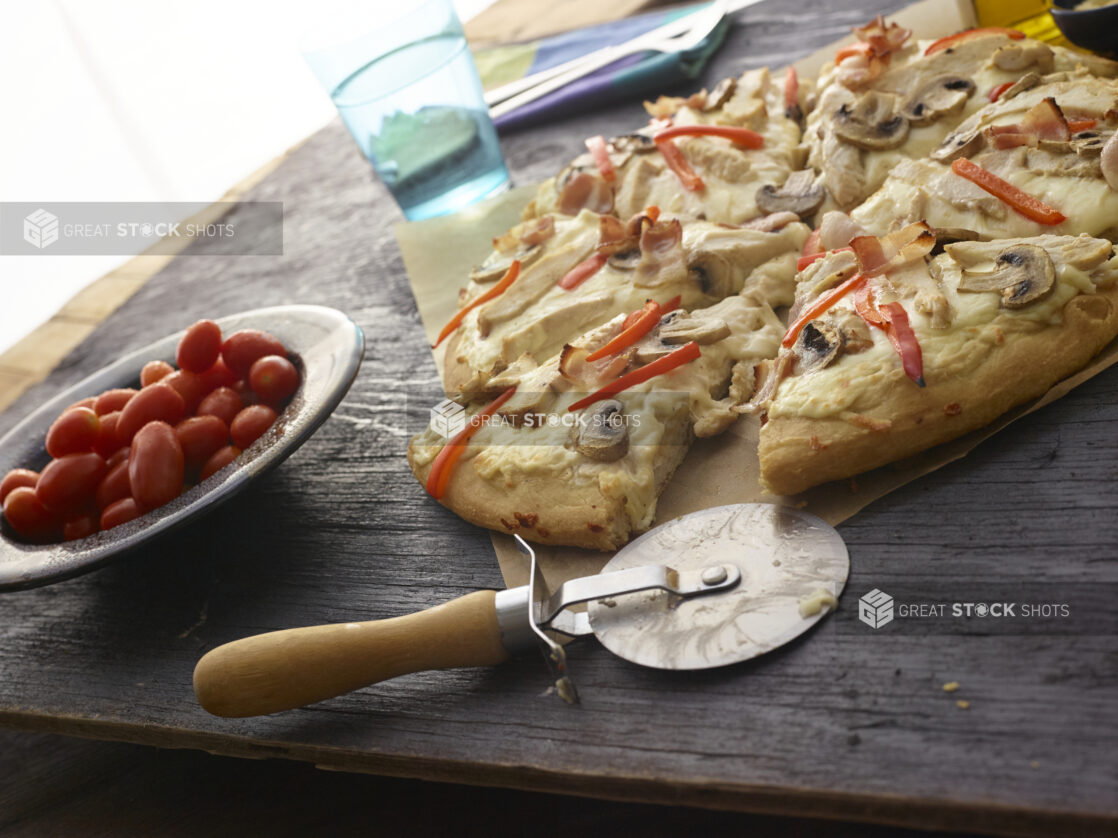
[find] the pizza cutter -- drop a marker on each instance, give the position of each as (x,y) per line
(707,589)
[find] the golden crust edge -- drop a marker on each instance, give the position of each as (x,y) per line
(797,454)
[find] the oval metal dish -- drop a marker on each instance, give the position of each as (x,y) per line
(326,346)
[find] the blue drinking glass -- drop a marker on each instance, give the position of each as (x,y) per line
(408,91)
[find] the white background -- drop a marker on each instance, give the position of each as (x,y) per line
(134,100)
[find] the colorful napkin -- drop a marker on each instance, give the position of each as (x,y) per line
(635,75)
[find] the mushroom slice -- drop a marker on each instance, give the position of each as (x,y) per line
(1087,143)
(497,265)
(633,143)
(950,235)
(873,122)
(799,194)
(1027,81)
(943,96)
(818,344)
(959,144)
(712,272)
(601,433)
(1024,274)
(721,94)
(626,260)
(677,328)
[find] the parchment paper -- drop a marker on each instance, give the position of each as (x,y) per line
(438,254)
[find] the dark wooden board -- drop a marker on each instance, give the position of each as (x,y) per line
(835,725)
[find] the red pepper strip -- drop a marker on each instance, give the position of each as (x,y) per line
(892,319)
(508,279)
(646,319)
(684,355)
(866,308)
(960,37)
(1024,203)
(819,306)
(600,153)
(791,90)
(904,341)
(653,212)
(804,261)
(997,90)
(678,164)
(670,305)
(438,478)
(859,48)
(583,271)
(738,136)
(1077,125)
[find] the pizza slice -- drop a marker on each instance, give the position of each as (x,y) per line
(575,273)
(1042,159)
(888,98)
(724,156)
(578,450)
(892,351)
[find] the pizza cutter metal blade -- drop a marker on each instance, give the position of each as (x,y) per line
(707,589)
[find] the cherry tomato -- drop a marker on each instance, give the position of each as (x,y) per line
(89,402)
(247,394)
(243,348)
(220,460)
(155,466)
(158,401)
(274,379)
(188,385)
(199,347)
(81,526)
(216,376)
(113,486)
(75,430)
(107,443)
(200,437)
(224,403)
(69,482)
(15,478)
(28,515)
(121,512)
(119,457)
(113,400)
(154,371)
(250,424)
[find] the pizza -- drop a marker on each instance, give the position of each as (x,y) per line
(1028,164)
(888,99)
(964,194)
(577,273)
(723,155)
(892,351)
(577,450)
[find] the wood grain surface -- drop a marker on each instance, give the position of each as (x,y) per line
(837,725)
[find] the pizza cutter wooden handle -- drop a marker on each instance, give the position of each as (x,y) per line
(286,669)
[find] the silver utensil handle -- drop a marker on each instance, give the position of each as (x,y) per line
(584,68)
(507,91)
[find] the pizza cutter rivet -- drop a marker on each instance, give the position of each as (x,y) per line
(714,575)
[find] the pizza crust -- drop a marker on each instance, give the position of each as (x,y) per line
(553,509)
(797,453)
